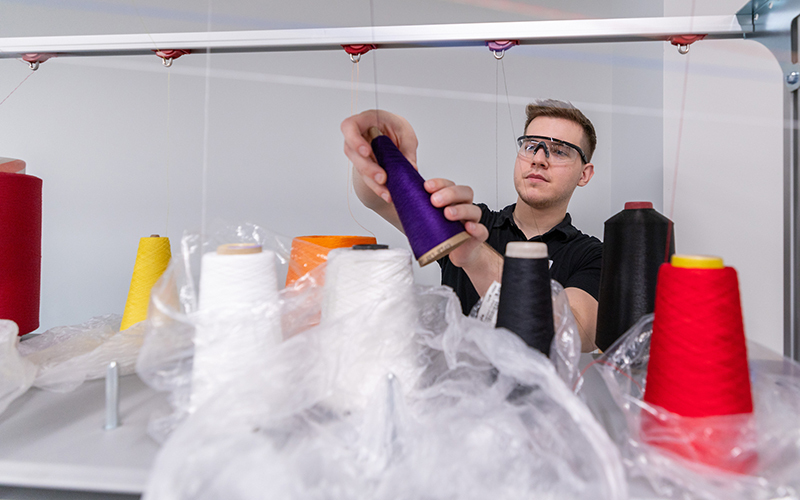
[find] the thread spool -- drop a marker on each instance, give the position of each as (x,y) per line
(369,292)
(698,366)
(367,276)
(429,232)
(12,166)
(634,247)
(152,259)
(238,318)
(308,252)
(20,248)
(525,306)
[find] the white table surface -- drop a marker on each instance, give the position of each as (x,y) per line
(57,441)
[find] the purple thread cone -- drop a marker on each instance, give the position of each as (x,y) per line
(425,225)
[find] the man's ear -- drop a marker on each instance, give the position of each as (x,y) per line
(586,174)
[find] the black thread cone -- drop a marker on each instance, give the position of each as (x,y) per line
(525,306)
(634,246)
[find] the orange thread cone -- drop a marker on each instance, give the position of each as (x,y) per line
(308,252)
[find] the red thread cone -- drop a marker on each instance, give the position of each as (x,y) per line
(20,249)
(698,369)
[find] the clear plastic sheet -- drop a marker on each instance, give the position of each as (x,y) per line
(62,358)
(565,350)
(766,444)
(66,356)
(487,418)
(379,286)
(167,359)
(16,372)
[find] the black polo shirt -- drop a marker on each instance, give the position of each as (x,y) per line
(576,256)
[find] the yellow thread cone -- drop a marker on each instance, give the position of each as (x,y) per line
(151,262)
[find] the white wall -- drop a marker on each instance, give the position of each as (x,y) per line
(120,142)
(728,197)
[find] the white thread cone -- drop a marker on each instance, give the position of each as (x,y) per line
(369,293)
(238,320)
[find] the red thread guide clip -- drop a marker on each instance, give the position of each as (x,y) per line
(356,51)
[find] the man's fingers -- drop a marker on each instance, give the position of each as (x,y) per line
(433,185)
(378,189)
(452,195)
(463,213)
(353,138)
(366,167)
(477,230)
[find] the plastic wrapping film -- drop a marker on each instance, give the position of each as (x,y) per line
(16,372)
(565,350)
(192,349)
(63,357)
(668,459)
(66,356)
(480,416)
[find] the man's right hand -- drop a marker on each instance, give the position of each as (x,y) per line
(369,178)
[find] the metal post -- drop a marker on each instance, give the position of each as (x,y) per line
(791,219)
(112,396)
(774,24)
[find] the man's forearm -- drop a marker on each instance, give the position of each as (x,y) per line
(486,268)
(584,308)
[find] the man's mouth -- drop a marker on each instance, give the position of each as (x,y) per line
(535,176)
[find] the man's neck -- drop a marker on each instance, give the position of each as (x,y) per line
(535,222)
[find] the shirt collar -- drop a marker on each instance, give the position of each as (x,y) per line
(563,229)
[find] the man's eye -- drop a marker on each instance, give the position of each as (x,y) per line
(560,151)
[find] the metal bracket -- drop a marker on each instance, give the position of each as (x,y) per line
(791,77)
(772,23)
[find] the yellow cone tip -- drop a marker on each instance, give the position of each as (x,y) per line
(697,261)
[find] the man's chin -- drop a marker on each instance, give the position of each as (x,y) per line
(537,203)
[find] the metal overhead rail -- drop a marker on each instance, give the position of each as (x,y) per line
(770,22)
(431,35)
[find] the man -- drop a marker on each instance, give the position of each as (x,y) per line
(554,158)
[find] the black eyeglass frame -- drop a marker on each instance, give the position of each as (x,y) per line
(553,139)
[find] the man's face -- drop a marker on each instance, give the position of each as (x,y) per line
(542,184)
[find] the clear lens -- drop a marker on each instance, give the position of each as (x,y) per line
(556,152)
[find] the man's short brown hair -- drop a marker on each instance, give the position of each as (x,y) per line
(565,110)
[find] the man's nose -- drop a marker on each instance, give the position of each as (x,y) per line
(540,154)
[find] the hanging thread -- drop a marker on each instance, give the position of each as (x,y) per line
(429,232)
(309,252)
(698,362)
(152,260)
(17,87)
(354,81)
(238,318)
(633,250)
(20,249)
(526,306)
